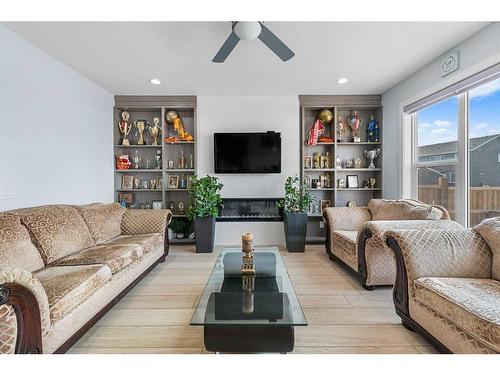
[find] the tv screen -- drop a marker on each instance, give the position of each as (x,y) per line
(247,152)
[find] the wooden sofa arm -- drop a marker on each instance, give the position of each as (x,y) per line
(23,292)
(456,252)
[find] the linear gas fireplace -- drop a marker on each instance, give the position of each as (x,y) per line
(250,209)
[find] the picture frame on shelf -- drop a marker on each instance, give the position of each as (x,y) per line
(173,182)
(157,205)
(324,203)
(352,181)
(127,181)
(125,197)
(159,182)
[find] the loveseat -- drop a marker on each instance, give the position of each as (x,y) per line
(63,267)
(354,235)
(448,285)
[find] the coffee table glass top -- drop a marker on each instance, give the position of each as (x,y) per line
(273,301)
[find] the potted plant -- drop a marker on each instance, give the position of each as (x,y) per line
(294,206)
(203,209)
(178,227)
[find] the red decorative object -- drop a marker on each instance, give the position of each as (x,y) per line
(122,162)
(316,130)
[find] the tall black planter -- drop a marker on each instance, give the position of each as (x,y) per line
(295,231)
(204,231)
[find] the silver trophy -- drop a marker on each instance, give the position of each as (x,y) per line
(372,155)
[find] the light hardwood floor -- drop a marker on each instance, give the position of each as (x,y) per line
(343,317)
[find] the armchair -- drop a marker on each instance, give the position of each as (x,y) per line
(354,235)
(447,285)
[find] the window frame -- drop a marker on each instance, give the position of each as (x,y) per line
(461,163)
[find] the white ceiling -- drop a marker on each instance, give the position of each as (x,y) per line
(122,57)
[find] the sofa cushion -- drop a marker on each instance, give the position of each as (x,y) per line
(16,248)
(56,230)
(344,247)
(144,221)
(473,305)
(404,209)
(489,229)
(116,257)
(103,220)
(68,287)
(147,242)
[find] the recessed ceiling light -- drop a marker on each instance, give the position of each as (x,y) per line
(155,81)
(341,81)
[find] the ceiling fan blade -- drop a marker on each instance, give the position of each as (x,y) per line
(226,48)
(275,44)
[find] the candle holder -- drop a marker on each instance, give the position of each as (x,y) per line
(247,265)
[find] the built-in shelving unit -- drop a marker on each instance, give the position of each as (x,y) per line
(341,106)
(146,108)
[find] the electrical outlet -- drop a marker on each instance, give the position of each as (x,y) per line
(321,224)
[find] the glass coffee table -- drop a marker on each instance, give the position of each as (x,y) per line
(242,319)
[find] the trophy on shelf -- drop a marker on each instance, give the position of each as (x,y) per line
(155,131)
(137,160)
(125,127)
(158,159)
(340,130)
(137,183)
(141,127)
(372,130)
(372,155)
(355,122)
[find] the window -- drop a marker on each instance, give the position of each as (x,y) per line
(456,148)
(484,149)
(436,141)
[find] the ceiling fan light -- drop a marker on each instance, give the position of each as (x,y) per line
(248,30)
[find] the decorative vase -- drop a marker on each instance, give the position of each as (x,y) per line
(295,231)
(204,229)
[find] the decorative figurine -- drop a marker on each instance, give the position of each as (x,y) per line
(372,155)
(155,131)
(355,122)
(316,130)
(372,130)
(145,184)
(182,181)
(307,162)
(181,207)
(137,183)
(317,160)
(173,118)
(340,183)
(191,161)
(247,264)
(141,125)
(158,159)
(152,183)
(125,127)
(338,163)
(372,182)
(170,164)
(357,163)
(325,116)
(349,163)
(340,130)
(137,160)
(182,160)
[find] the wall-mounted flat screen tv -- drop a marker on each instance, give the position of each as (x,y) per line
(247,152)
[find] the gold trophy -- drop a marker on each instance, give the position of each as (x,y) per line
(141,127)
(125,127)
(155,131)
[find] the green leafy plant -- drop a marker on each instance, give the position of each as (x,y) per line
(205,197)
(297,199)
(178,226)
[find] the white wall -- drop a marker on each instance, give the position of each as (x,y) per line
(55,130)
(249,114)
(477,53)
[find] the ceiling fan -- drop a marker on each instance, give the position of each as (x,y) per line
(250,31)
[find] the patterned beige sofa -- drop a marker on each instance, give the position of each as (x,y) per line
(63,267)
(448,285)
(354,235)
